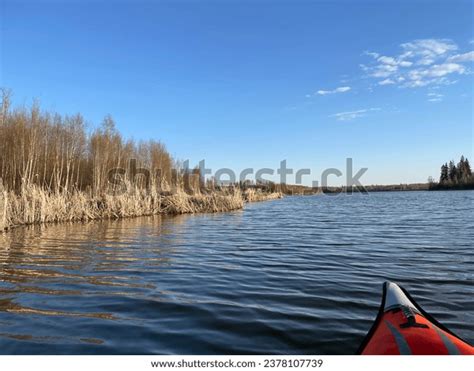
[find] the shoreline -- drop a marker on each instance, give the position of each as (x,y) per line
(35,206)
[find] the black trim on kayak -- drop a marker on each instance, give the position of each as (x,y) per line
(381,312)
(378,319)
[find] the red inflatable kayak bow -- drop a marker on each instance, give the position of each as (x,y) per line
(402,327)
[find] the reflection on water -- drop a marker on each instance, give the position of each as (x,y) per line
(293,276)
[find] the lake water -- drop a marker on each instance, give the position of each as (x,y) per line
(302,275)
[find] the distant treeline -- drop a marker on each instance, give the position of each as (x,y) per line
(377,188)
(292,189)
(454,176)
(287,189)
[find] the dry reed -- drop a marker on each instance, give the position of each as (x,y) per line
(53,170)
(256,195)
(37,206)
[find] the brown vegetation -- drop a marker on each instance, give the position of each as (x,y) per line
(35,205)
(256,195)
(53,170)
(56,152)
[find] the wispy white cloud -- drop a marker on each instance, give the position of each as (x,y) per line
(386,82)
(387,60)
(420,63)
(351,115)
(440,70)
(405,63)
(426,51)
(371,54)
(342,89)
(435,74)
(460,58)
(435,97)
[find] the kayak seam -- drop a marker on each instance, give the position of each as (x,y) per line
(450,346)
(402,344)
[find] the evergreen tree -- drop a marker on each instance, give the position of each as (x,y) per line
(444,174)
(454,176)
(452,171)
(467,167)
(460,170)
(464,170)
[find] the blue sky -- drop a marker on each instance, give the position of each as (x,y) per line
(250,83)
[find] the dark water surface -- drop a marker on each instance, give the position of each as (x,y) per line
(302,275)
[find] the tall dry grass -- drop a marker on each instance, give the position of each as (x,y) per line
(52,169)
(36,206)
(256,195)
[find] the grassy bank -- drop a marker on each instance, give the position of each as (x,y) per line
(34,205)
(256,195)
(56,168)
